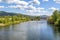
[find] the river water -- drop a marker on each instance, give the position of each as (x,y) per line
(31,30)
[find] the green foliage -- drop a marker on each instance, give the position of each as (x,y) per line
(10,18)
(55,14)
(51,20)
(55,18)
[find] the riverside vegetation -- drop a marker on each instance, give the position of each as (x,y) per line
(14,18)
(55,18)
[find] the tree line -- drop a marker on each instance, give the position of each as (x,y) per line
(12,19)
(55,18)
(18,18)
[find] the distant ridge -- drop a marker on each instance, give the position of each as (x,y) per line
(3,13)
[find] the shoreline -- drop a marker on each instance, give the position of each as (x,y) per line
(10,23)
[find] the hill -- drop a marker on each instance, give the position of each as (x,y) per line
(3,13)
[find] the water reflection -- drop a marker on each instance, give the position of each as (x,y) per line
(32,30)
(40,31)
(57,32)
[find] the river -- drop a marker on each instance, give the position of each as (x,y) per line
(31,30)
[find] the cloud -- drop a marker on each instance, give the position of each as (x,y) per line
(45,0)
(30,10)
(28,7)
(22,7)
(34,2)
(37,11)
(0,0)
(57,1)
(22,2)
(1,6)
(13,6)
(16,2)
(53,8)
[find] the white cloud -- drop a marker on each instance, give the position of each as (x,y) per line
(1,6)
(13,6)
(57,1)
(27,6)
(36,1)
(53,8)
(30,10)
(40,9)
(0,0)
(45,0)
(37,11)
(30,7)
(16,7)
(16,2)
(23,2)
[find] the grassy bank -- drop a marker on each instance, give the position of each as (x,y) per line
(15,19)
(8,20)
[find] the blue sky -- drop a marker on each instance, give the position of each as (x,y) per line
(30,7)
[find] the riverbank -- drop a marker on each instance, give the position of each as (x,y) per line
(55,18)
(11,20)
(7,18)
(10,23)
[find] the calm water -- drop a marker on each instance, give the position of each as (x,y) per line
(32,30)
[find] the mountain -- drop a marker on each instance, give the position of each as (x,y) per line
(2,13)
(43,16)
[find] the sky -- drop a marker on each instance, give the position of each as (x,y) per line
(30,7)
